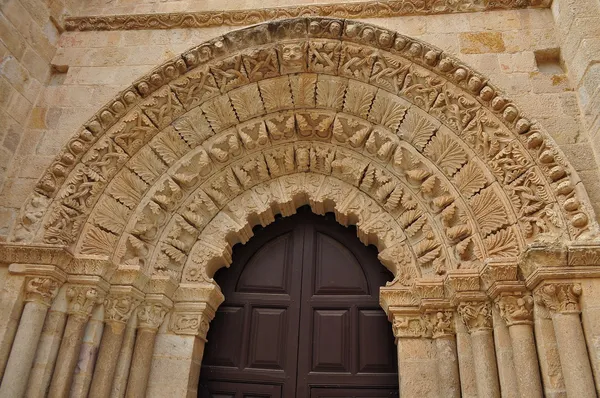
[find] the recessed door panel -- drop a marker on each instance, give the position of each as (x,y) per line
(225,336)
(267,338)
(268,270)
(331,348)
(374,358)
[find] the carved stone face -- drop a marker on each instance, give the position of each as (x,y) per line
(293,57)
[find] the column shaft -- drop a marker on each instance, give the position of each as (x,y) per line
(466,366)
(447,365)
(67,357)
(526,360)
(416,367)
(119,385)
(106,364)
(573,353)
(82,377)
(140,364)
(11,305)
(484,358)
(23,350)
(504,355)
(47,351)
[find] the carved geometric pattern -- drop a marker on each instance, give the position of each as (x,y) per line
(413,147)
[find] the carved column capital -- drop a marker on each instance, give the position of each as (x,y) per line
(410,325)
(192,319)
(118,307)
(476,315)
(516,308)
(41,289)
(441,323)
(151,314)
(82,299)
(562,298)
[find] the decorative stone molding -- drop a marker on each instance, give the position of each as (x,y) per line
(562,298)
(442,323)
(363,9)
(151,313)
(41,289)
(410,325)
(82,299)
(120,303)
(188,151)
(192,319)
(476,315)
(516,308)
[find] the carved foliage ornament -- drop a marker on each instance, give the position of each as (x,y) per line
(82,299)
(41,289)
(417,161)
(560,297)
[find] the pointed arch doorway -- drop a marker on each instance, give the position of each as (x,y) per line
(301,317)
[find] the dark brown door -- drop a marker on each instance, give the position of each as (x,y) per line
(301,317)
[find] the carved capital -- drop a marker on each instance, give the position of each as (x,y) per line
(190,323)
(151,315)
(476,315)
(410,326)
(118,307)
(82,299)
(441,323)
(516,308)
(41,289)
(560,298)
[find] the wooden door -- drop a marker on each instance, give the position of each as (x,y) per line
(301,317)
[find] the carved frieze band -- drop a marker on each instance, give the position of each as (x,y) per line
(364,9)
(433,324)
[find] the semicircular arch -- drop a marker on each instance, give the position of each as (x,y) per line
(453,166)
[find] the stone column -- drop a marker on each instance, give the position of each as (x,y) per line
(47,351)
(40,291)
(517,311)
(187,330)
(477,316)
(466,367)
(11,305)
(507,376)
(547,349)
(417,367)
(82,299)
(562,299)
(150,316)
(118,306)
(119,385)
(444,338)
(82,377)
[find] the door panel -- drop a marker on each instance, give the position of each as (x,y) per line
(301,316)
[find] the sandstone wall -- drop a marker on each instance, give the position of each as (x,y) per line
(28,40)
(500,44)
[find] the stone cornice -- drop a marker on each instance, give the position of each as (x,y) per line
(364,9)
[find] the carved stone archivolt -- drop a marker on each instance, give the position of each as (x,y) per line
(434,165)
